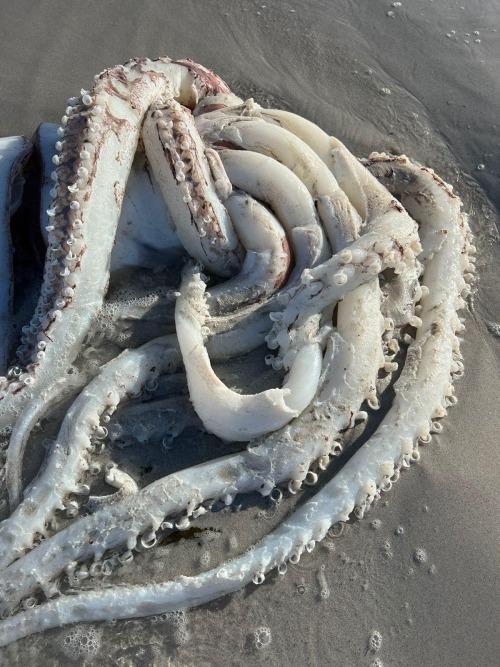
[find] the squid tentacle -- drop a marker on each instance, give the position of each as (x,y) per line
(68,459)
(389,240)
(228,414)
(428,372)
(177,156)
(100,126)
(267,261)
(382,256)
(349,372)
(289,150)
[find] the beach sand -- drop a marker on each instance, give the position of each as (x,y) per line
(421,82)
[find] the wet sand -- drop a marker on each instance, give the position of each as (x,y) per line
(416,82)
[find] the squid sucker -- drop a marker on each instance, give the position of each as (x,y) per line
(248,226)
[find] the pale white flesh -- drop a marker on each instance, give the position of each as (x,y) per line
(334,364)
(228,414)
(145,233)
(99,136)
(267,260)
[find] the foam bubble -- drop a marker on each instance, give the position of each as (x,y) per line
(420,556)
(177,618)
(205,558)
(233,542)
(262,637)
(387,549)
(323,583)
(375,641)
(181,635)
(80,642)
(301,589)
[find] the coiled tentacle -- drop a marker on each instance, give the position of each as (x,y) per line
(381,265)
(100,128)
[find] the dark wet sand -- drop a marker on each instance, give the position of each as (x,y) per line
(330,62)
